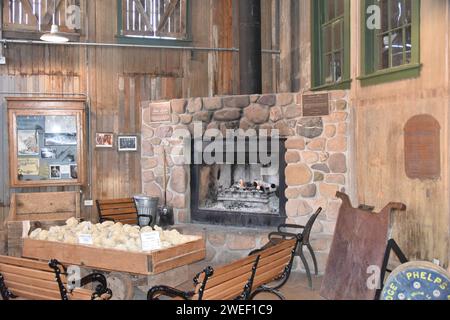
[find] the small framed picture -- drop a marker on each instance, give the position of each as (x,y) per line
(104,140)
(127,143)
(55,172)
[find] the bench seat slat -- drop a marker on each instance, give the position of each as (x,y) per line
(121,211)
(37,274)
(117,206)
(30,295)
(46,284)
(15,286)
(39,265)
(115,201)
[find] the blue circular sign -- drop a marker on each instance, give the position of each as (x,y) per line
(417,281)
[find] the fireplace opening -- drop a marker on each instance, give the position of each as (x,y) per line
(244,188)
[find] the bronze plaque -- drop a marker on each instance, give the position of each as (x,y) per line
(423,148)
(160,112)
(316,105)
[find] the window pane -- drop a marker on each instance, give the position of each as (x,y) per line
(397,48)
(330,10)
(337,32)
(337,67)
(327,38)
(397,13)
(408,45)
(339,7)
(408,11)
(383,51)
(384,15)
(328,68)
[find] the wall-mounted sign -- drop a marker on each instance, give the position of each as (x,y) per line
(423,148)
(160,112)
(316,105)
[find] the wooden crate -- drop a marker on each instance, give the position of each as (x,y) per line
(15,233)
(151,263)
(44,206)
(3,242)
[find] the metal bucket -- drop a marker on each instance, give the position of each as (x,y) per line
(147,209)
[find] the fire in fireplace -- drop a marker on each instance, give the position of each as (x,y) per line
(244,189)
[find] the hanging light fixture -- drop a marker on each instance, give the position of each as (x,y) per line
(54,35)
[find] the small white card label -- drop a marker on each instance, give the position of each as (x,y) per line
(85,239)
(150,241)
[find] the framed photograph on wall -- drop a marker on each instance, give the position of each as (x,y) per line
(104,140)
(127,143)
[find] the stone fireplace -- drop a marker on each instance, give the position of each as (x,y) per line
(243,192)
(237,201)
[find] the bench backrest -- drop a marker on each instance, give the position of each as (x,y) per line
(35,280)
(118,210)
(273,261)
(44,206)
(227,282)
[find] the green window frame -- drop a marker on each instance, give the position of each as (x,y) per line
(391,53)
(181,37)
(330,58)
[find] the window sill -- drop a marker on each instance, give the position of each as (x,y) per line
(392,74)
(342,85)
(156,42)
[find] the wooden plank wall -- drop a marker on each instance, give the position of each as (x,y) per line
(117,80)
(381,113)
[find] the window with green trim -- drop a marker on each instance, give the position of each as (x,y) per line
(390,40)
(331,44)
(153,19)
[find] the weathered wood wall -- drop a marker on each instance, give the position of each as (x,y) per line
(117,80)
(380,114)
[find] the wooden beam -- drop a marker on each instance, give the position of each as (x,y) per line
(144,14)
(29,10)
(52,8)
(169,9)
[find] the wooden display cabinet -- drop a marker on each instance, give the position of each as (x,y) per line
(46,142)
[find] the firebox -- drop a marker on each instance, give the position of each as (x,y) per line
(239,182)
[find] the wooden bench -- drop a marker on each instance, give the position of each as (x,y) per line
(275,265)
(118,210)
(37,280)
(233,281)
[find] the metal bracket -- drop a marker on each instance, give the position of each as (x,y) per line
(391,246)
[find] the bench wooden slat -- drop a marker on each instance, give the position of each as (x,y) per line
(275,257)
(31,295)
(120,211)
(46,284)
(232,287)
(114,201)
(39,265)
(117,206)
(224,277)
(276,248)
(81,294)
(13,286)
(37,274)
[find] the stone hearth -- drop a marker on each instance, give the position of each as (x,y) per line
(317,151)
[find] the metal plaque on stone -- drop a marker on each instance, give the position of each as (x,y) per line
(316,105)
(160,112)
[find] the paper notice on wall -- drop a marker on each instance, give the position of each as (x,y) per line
(26,227)
(85,239)
(150,241)
(65,170)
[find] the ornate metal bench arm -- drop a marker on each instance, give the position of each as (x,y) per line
(56,266)
(102,292)
(157,291)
